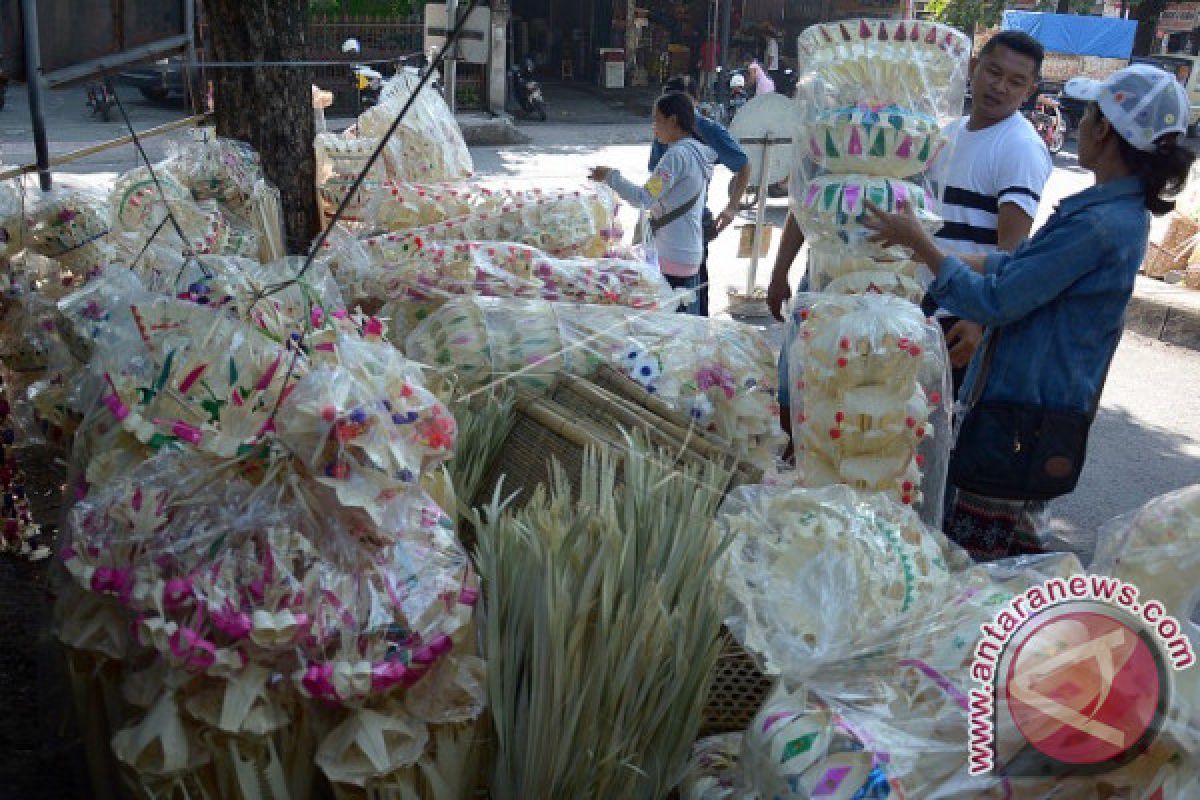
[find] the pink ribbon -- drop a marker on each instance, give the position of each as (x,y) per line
(233,623)
(192,649)
(114,581)
(318,682)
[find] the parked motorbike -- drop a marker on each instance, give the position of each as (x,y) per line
(101,100)
(1047,119)
(739,95)
(368,83)
(527,91)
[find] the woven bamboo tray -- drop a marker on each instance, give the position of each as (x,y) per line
(580,413)
(1158,261)
(1180,238)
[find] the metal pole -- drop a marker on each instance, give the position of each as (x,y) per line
(451,62)
(726,11)
(759,216)
(33,73)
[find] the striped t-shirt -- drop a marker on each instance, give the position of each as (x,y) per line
(1003,163)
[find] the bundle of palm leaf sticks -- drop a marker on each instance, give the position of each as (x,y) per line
(602,620)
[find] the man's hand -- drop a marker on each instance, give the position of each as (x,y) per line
(725,218)
(600,173)
(963,340)
(778,293)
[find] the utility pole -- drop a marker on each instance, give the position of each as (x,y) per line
(36,83)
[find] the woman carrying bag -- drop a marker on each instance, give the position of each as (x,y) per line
(675,195)
(1054,310)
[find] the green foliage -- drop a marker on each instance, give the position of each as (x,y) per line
(966,15)
(365,8)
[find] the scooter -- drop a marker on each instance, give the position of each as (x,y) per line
(368,83)
(527,91)
(1047,119)
(738,95)
(101,100)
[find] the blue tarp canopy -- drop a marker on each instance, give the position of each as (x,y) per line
(1109,37)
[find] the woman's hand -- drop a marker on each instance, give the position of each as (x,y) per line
(904,229)
(600,174)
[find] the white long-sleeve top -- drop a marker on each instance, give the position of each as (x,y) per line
(683,173)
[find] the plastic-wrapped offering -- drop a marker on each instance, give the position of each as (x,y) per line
(834,269)
(340,159)
(833,207)
(216,168)
(888,141)
(568,224)
(807,568)
(428,145)
(12,221)
(1155,549)
(917,65)
(713,770)
(870,398)
(419,276)
(720,373)
(139,208)
(72,227)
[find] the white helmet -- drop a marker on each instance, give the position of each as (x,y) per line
(737,82)
(351,46)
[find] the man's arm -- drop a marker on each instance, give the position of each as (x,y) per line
(780,291)
(737,188)
(964,336)
(1013,226)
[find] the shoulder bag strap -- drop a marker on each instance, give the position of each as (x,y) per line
(674,214)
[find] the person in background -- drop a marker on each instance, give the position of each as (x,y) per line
(1054,308)
(675,194)
(992,173)
(758,80)
(729,155)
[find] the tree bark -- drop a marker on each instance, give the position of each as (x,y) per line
(269,107)
(1146,13)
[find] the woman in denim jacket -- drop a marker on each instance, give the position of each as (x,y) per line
(1056,304)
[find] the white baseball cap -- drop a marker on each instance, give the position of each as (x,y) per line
(1141,101)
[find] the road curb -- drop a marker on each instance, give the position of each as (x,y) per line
(1164,312)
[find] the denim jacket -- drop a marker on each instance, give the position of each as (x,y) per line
(1057,302)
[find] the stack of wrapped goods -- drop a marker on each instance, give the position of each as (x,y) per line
(257,578)
(719,373)
(868,373)
(886,709)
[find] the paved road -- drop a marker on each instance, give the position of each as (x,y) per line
(1147,436)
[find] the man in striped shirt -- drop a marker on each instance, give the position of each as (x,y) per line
(993,175)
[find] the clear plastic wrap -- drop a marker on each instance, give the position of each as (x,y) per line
(72,226)
(428,145)
(340,160)
(414,278)
(12,217)
(565,224)
(720,373)
(890,717)
(914,64)
(870,397)
(1155,548)
(139,209)
(216,168)
(808,567)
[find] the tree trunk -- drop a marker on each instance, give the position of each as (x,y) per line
(1146,13)
(269,107)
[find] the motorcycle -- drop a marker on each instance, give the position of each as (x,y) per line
(368,83)
(1047,119)
(739,95)
(527,91)
(101,100)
